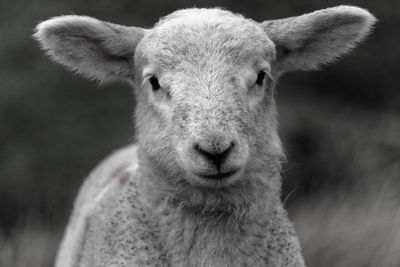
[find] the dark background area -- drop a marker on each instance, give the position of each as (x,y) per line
(340,127)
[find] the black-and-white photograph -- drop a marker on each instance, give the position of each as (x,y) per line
(192,133)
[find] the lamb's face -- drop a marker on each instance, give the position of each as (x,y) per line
(204,79)
(208,83)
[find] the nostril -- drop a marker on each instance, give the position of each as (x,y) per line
(217,157)
(228,150)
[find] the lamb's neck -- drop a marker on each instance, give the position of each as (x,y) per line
(216,222)
(228,205)
(214,226)
(213,241)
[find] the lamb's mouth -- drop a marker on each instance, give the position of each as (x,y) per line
(219,175)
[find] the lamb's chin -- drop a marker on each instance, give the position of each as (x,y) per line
(225,203)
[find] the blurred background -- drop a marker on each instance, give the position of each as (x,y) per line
(340,127)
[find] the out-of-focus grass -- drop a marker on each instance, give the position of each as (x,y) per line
(351,218)
(337,146)
(32,245)
(360,231)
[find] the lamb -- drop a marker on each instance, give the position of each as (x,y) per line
(202,185)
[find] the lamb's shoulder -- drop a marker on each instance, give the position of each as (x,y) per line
(270,240)
(283,247)
(109,225)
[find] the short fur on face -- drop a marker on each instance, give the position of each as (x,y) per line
(206,63)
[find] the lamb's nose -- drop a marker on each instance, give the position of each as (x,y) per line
(215,152)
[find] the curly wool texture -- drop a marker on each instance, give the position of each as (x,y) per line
(147,204)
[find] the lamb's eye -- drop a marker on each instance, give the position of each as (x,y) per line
(260,78)
(154,83)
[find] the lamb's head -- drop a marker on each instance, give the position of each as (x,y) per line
(206,96)
(204,80)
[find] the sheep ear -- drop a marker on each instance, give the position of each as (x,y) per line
(96,49)
(308,41)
